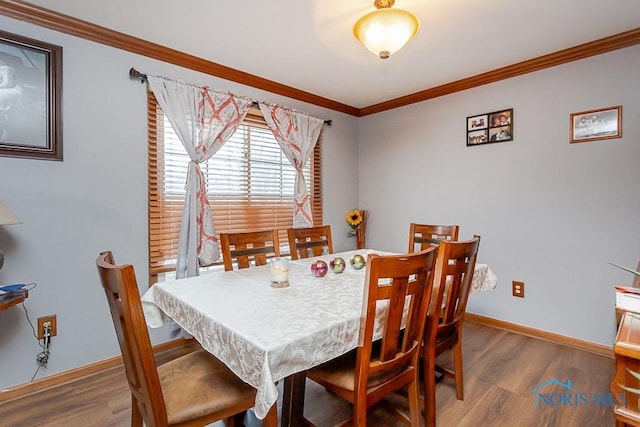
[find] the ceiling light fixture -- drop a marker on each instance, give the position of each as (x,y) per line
(385,31)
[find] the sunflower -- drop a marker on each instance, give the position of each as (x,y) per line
(354,218)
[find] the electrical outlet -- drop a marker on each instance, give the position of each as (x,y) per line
(47,321)
(517,289)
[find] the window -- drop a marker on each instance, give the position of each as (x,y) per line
(249,183)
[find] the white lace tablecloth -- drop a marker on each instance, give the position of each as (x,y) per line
(265,334)
(483,279)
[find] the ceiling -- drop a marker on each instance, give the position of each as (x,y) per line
(309,44)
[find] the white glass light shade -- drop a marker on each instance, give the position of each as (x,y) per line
(385,31)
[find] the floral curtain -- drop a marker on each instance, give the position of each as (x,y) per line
(297,133)
(203,120)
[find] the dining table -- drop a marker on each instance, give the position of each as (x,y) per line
(266,334)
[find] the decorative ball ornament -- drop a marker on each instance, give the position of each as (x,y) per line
(337,265)
(357,262)
(319,268)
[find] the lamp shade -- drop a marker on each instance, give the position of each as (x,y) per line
(385,31)
(7,217)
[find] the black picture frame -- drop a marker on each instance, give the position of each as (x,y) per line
(30,98)
(488,128)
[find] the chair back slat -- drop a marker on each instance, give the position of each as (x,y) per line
(249,248)
(391,343)
(426,235)
(310,241)
(121,289)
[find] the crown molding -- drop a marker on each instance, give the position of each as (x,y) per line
(33,14)
(76,27)
(596,47)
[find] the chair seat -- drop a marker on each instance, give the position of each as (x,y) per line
(341,372)
(208,388)
(444,342)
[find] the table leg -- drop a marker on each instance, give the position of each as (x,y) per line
(293,401)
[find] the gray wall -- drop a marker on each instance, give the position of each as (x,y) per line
(550,213)
(96,199)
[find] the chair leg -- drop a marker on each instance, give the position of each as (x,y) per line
(429,379)
(360,411)
(457,362)
(271,419)
(136,416)
(414,403)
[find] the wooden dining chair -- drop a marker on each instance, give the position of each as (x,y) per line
(426,235)
(453,278)
(311,241)
(383,365)
(249,247)
(194,389)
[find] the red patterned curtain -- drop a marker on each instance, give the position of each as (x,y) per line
(204,120)
(297,134)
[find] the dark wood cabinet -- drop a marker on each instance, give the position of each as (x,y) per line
(627,353)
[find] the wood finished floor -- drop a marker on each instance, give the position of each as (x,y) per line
(501,371)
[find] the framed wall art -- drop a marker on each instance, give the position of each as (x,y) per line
(605,123)
(490,127)
(30,98)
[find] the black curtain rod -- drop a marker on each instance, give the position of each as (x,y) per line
(135,74)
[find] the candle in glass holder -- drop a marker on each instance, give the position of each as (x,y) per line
(279,268)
